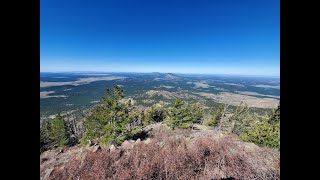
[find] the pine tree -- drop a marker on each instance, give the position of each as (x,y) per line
(263,133)
(58,131)
(182,115)
(275,115)
(45,141)
(155,114)
(112,121)
(216,116)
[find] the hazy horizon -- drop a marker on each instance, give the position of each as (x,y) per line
(101,72)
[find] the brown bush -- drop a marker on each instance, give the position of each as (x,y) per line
(172,156)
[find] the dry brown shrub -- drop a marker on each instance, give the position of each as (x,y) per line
(172,156)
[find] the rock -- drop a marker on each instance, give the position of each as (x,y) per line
(90,142)
(179,136)
(43,160)
(96,148)
(127,145)
(47,173)
(95,142)
(160,143)
(147,141)
(138,140)
(112,148)
(73,139)
(131,141)
(198,127)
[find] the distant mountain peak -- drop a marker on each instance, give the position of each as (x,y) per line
(171,76)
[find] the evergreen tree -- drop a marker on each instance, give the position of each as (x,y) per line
(53,133)
(242,118)
(275,115)
(261,130)
(58,131)
(113,121)
(182,115)
(155,114)
(216,116)
(263,133)
(45,141)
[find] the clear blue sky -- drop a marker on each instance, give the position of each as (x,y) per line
(208,37)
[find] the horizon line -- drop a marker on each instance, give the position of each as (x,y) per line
(227,74)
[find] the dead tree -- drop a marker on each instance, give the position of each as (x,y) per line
(223,119)
(73,131)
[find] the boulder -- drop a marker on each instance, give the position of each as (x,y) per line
(127,145)
(198,127)
(96,148)
(95,142)
(147,141)
(90,143)
(112,148)
(47,173)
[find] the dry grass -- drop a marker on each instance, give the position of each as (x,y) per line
(236,99)
(172,155)
(202,85)
(250,93)
(171,95)
(267,86)
(46,94)
(234,84)
(167,87)
(165,94)
(80,81)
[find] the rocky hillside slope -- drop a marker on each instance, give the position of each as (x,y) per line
(165,154)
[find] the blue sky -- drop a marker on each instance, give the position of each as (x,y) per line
(203,36)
